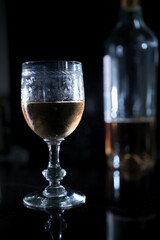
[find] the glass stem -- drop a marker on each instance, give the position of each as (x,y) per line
(54,173)
(53,155)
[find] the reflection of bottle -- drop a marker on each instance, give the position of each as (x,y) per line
(130,76)
(130,194)
(119,227)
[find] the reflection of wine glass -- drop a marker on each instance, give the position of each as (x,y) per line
(55,225)
(52,100)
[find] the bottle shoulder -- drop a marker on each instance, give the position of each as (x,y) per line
(123,33)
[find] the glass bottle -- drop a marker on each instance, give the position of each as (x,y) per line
(130,65)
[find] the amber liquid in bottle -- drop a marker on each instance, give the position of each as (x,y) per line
(131,143)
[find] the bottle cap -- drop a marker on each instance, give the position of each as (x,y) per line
(129,3)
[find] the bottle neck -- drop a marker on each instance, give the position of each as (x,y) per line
(130,10)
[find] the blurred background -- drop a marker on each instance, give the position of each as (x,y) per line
(37,30)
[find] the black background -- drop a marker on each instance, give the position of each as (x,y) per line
(75,30)
(119,205)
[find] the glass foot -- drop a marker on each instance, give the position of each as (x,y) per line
(38,201)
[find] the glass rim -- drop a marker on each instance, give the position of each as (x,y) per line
(52,65)
(34,62)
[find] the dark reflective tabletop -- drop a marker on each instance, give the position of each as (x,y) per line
(120,205)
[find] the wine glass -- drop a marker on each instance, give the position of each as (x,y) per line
(52,101)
